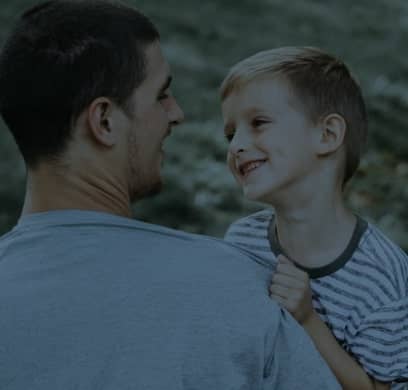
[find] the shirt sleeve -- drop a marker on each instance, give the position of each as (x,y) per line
(234,231)
(380,342)
(293,361)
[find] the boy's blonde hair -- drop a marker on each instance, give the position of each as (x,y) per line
(323,85)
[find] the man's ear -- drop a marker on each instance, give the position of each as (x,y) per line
(332,129)
(100,121)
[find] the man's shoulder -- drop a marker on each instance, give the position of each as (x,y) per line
(192,248)
(104,235)
(163,236)
(86,223)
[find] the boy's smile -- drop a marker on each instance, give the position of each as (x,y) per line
(271,139)
(246,168)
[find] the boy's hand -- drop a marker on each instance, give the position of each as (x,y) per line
(290,287)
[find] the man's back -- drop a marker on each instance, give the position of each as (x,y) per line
(89,300)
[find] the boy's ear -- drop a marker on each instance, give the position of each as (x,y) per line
(332,130)
(100,120)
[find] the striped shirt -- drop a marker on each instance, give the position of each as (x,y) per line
(362,296)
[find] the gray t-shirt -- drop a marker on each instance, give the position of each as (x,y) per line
(89,300)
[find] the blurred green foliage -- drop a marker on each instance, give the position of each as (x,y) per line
(202,40)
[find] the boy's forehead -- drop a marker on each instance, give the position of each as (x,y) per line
(266,94)
(259,92)
(268,83)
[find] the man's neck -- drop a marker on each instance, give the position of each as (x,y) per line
(47,191)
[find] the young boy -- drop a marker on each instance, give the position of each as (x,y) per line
(296,122)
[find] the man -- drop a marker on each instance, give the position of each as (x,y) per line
(90,299)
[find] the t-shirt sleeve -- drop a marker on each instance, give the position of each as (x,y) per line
(293,362)
(254,225)
(380,342)
(250,231)
(234,231)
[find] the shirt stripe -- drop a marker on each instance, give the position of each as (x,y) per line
(364,303)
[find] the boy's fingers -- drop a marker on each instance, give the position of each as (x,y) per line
(286,281)
(291,270)
(288,269)
(283,259)
(279,290)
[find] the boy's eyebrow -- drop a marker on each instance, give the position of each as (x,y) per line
(166,84)
(255,110)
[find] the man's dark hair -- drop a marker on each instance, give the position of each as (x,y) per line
(62,55)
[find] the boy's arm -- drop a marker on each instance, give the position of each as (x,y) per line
(349,373)
(291,288)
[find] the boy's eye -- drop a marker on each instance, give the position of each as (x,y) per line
(229,136)
(258,122)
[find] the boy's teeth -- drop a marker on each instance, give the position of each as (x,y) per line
(252,165)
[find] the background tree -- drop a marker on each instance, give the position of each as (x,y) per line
(202,39)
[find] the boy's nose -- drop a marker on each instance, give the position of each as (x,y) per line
(239,143)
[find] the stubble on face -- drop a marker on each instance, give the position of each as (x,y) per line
(154,111)
(143,183)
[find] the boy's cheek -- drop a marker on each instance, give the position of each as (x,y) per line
(233,170)
(231,163)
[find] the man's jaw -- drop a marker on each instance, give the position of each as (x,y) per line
(167,134)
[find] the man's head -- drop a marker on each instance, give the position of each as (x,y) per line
(316,84)
(90,64)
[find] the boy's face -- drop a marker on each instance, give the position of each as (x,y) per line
(271,139)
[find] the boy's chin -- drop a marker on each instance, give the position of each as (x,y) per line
(255,195)
(269,195)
